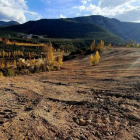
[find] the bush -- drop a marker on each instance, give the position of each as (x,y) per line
(100,46)
(11,72)
(92,47)
(1,74)
(44,67)
(127,46)
(24,71)
(52,58)
(94,60)
(36,68)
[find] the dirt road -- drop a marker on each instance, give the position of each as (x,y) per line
(80,102)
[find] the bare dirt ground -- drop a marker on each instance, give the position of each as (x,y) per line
(80,102)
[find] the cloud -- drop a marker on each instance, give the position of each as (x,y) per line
(132,15)
(78,14)
(15,10)
(81,8)
(85,1)
(32,15)
(124,10)
(61,16)
(57,7)
(109,3)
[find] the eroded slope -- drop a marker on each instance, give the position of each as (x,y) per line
(78,102)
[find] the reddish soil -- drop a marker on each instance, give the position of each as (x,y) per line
(80,102)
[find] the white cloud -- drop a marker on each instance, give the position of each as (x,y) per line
(80,8)
(15,10)
(78,14)
(115,3)
(62,16)
(124,10)
(85,1)
(33,15)
(132,15)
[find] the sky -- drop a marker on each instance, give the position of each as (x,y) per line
(25,10)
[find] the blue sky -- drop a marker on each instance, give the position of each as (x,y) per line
(25,10)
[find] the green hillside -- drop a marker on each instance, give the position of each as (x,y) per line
(125,30)
(63,28)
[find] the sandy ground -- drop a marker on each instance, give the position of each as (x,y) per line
(80,102)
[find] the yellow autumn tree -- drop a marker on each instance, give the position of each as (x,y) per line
(127,45)
(109,45)
(48,51)
(3,53)
(9,54)
(137,45)
(100,45)
(50,54)
(94,60)
(2,64)
(14,63)
(133,43)
(7,64)
(92,47)
(1,74)
(53,58)
(60,60)
(33,61)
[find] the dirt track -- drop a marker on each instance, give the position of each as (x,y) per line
(80,102)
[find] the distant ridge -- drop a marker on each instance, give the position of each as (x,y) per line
(94,26)
(9,23)
(64,28)
(125,30)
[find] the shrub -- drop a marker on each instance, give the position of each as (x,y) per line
(11,72)
(109,45)
(7,64)
(24,71)
(2,64)
(1,74)
(59,61)
(100,46)
(94,60)
(14,63)
(52,58)
(32,68)
(49,54)
(92,47)
(137,45)
(37,70)
(44,67)
(133,43)
(127,45)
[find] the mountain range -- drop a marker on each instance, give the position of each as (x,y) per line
(125,30)
(9,23)
(93,27)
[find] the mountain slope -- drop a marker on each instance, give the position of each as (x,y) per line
(63,28)
(10,23)
(125,30)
